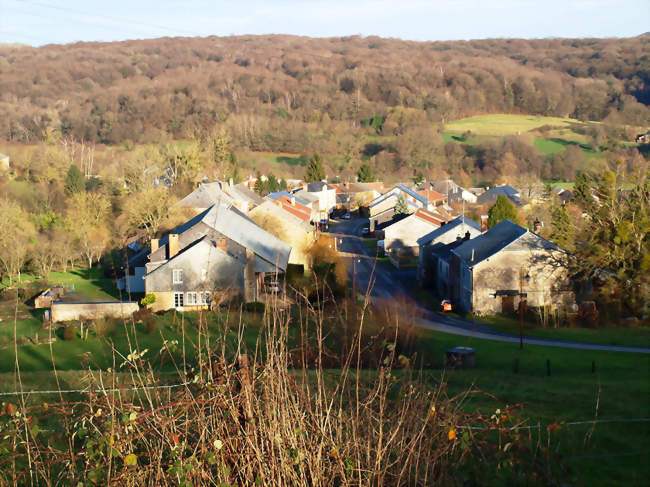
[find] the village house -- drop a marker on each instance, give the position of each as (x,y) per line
(219,250)
(288,220)
(404,235)
(493,272)
(435,252)
(305,199)
(490,196)
(208,194)
(325,194)
(455,193)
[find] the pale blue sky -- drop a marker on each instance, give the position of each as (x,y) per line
(39,22)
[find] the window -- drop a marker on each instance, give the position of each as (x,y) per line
(178,300)
(204,274)
(205,298)
(191,299)
(177,276)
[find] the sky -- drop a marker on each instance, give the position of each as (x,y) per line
(39,22)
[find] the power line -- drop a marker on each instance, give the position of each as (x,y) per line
(113,18)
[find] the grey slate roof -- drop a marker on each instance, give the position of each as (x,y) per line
(240,192)
(492,194)
(205,195)
(235,225)
(495,239)
(448,227)
(318,186)
(384,197)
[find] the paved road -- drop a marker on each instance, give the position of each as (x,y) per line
(387,284)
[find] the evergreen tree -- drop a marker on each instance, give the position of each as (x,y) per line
(261,186)
(503,209)
(272,184)
(562,234)
(418,178)
(74,180)
(315,171)
(232,170)
(365,174)
(401,206)
(582,191)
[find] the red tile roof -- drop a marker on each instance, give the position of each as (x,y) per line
(297,209)
(432,196)
(427,216)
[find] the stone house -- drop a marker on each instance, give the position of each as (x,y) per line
(404,234)
(454,192)
(208,194)
(494,271)
(290,223)
(223,245)
(490,196)
(433,255)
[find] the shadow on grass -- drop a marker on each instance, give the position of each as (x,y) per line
(293,161)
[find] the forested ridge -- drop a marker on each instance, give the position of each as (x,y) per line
(272,90)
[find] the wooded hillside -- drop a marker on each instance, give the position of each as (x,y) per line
(272,90)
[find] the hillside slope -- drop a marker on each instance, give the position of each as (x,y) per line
(146,90)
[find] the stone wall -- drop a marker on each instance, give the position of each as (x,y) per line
(76,311)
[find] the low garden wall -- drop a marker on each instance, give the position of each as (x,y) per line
(76,311)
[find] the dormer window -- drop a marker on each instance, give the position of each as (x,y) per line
(177,276)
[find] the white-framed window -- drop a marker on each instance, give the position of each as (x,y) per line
(178,300)
(177,276)
(204,274)
(205,298)
(191,298)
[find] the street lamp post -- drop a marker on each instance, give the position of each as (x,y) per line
(522,306)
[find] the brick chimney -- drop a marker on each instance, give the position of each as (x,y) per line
(154,244)
(537,226)
(484,223)
(222,244)
(172,245)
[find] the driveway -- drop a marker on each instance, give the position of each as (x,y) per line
(387,283)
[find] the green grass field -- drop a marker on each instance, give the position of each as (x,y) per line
(506,124)
(554,142)
(633,337)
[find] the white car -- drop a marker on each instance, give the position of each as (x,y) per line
(346,216)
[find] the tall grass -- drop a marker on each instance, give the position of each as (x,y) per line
(269,415)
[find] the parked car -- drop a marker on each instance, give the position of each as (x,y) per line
(346,216)
(446,305)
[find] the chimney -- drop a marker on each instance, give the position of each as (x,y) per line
(230,182)
(293,201)
(172,245)
(154,244)
(484,223)
(537,226)
(222,244)
(467,235)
